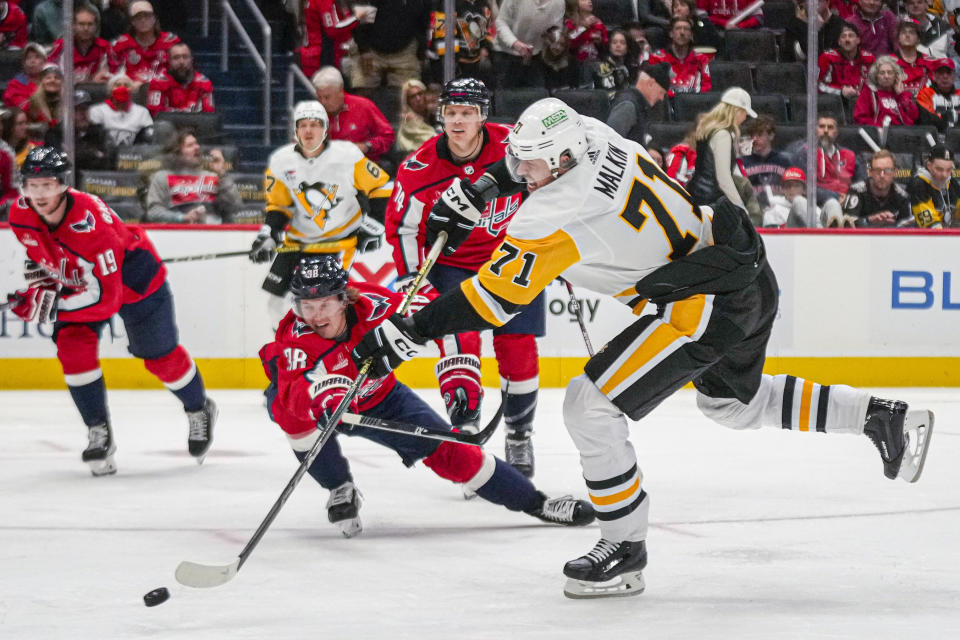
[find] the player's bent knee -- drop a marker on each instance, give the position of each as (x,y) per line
(175,369)
(728,412)
(517,356)
(457,462)
(588,416)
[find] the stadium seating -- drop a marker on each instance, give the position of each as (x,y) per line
(777,14)
(730,74)
(752,45)
(781,77)
(589,102)
(667,134)
(827,104)
(508,104)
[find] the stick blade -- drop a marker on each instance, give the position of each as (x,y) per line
(205,576)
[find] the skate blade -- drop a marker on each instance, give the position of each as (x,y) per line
(350,527)
(918,426)
(105,467)
(626,584)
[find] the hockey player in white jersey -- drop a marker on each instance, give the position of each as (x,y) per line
(314,188)
(606,217)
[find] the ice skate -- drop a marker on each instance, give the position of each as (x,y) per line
(201,429)
(901,436)
(343,509)
(518,450)
(565,510)
(610,569)
(100,449)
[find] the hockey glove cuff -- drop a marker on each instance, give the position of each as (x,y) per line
(326,394)
(35,303)
(457,212)
(369,235)
(264,245)
(389,345)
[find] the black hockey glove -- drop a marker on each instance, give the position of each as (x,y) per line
(457,212)
(389,345)
(369,235)
(264,245)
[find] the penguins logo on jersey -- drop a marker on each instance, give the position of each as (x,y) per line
(318,198)
(86,225)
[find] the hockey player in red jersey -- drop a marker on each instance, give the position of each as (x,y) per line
(84,266)
(310,372)
(466,148)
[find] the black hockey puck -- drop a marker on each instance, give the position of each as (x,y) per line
(157,596)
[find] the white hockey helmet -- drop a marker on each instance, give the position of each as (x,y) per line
(310,110)
(548,129)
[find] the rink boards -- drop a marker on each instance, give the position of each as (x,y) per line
(866,308)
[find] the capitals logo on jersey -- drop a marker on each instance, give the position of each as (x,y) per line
(413,164)
(318,198)
(88,224)
(380,305)
(300,328)
(498,213)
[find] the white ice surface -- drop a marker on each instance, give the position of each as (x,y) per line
(759,535)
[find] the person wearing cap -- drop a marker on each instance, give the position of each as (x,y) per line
(13,26)
(717,135)
(878,201)
(90,139)
(939,101)
(691,70)
(877,26)
(934,192)
(21,86)
(885,98)
(47,23)
(180,87)
(790,209)
(93,59)
(353,118)
(935,32)
(144,51)
(631,106)
(844,70)
(915,65)
(44,108)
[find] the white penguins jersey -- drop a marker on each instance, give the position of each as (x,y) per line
(319,195)
(603,225)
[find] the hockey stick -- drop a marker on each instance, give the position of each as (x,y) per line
(579,313)
(477,439)
(12,301)
(236,254)
(200,576)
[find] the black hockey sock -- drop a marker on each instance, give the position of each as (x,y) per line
(518,412)
(330,469)
(510,488)
(91,401)
(192,395)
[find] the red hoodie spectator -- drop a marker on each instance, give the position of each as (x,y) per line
(21,86)
(720,11)
(333,19)
(885,96)
(13,26)
(145,49)
(180,88)
(587,33)
(352,118)
(843,70)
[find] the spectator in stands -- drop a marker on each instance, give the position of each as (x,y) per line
(188,193)
(844,70)
(124,121)
(717,135)
(790,209)
(587,38)
(115,19)
(939,101)
(631,106)
(639,37)
(180,88)
(9,176)
(884,97)
(935,33)
(90,140)
(13,130)
(334,22)
(473,37)
(93,59)
(560,68)
(13,26)
(934,192)
(705,34)
(682,158)
(144,51)
(877,26)
(415,117)
(392,45)
(828,24)
(45,106)
(837,167)
(520,27)
(352,118)
(721,11)
(47,23)
(619,67)
(691,70)
(878,201)
(764,165)
(914,64)
(654,16)
(21,86)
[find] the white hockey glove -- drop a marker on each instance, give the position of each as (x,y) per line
(264,246)
(369,235)
(457,212)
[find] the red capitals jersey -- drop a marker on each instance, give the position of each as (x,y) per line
(330,18)
(690,75)
(187,190)
(87,65)
(92,252)
(719,12)
(421,179)
(13,27)
(142,64)
(166,94)
(918,72)
(836,71)
(298,357)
